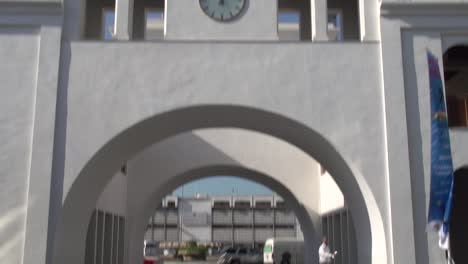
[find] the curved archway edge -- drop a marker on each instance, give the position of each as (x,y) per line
(99,170)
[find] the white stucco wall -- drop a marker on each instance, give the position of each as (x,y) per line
(331,198)
(301,80)
(113,199)
(298,80)
(17,77)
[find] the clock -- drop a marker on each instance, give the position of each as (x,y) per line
(223,10)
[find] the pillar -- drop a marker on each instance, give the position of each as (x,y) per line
(369,20)
(123,19)
(319,20)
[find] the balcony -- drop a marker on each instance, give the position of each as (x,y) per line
(337,20)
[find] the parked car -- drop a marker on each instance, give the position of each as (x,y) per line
(241,255)
(151,254)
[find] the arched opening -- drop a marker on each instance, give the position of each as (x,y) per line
(233,220)
(459,218)
(456,85)
(96,174)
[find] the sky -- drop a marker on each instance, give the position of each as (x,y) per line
(222,185)
(288,17)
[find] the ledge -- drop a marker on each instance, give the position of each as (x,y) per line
(424,9)
(32,7)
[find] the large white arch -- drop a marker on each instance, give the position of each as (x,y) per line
(85,190)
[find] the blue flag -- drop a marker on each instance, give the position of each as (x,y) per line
(441,155)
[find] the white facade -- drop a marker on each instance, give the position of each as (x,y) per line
(219,99)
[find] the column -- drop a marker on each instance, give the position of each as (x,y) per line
(399,219)
(319,20)
(369,17)
(123,19)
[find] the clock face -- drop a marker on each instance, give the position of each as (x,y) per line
(223,10)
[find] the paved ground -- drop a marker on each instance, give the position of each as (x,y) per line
(189,262)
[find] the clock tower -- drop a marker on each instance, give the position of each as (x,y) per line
(221,20)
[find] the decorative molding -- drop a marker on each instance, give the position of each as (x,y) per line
(424,9)
(29,7)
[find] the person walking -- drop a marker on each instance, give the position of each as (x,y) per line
(325,257)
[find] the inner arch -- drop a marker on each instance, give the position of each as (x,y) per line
(306,224)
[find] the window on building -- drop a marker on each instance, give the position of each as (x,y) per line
(263,204)
(456,85)
(100,18)
(242,204)
(335,25)
(154,24)
(280,204)
(148,19)
(221,204)
(343,20)
(289,25)
(294,20)
(108,23)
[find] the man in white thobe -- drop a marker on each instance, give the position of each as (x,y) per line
(325,257)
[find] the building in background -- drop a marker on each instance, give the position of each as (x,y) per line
(227,220)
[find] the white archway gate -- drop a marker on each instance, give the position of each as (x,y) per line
(99,169)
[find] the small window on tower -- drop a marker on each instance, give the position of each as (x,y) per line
(335,25)
(99,19)
(154,24)
(108,17)
(289,25)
